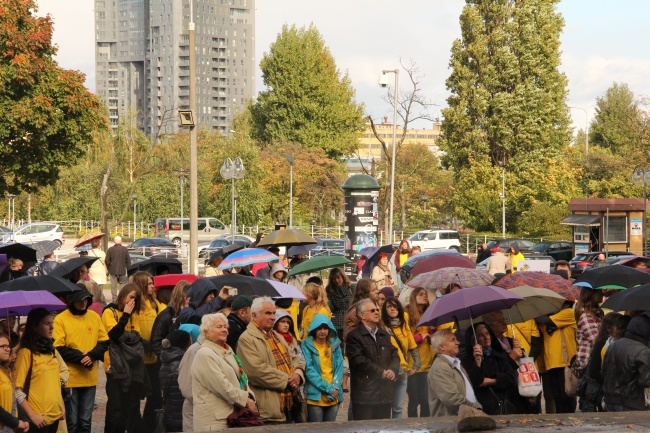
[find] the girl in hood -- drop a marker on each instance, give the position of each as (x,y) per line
(514,257)
(284,326)
(323,370)
(278,272)
(316,299)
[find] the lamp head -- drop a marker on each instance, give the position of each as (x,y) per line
(383,81)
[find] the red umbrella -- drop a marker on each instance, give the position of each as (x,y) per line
(88,238)
(434,263)
(540,280)
(170,280)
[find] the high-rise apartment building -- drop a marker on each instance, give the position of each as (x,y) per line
(142,60)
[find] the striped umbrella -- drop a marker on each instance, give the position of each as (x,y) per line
(247,256)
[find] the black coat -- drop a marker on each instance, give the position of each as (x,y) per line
(170,359)
(162,326)
(626,373)
(237,327)
(368,359)
(117,260)
(197,292)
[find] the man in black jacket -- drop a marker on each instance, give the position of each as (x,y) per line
(238,319)
(374,364)
(118,261)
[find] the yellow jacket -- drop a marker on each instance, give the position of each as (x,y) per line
(405,337)
(109,320)
(553,352)
(82,333)
(144,319)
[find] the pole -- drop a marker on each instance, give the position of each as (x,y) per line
(392,162)
(182,181)
(503,201)
(291,195)
(29,208)
(135,202)
(233,217)
(194,190)
(645,229)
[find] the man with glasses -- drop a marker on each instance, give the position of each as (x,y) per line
(497,322)
(374,364)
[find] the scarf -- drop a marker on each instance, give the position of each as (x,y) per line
(282,363)
(43,345)
(287,337)
(395,322)
(243,379)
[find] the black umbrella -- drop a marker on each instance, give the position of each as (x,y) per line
(373,258)
(43,248)
(245,285)
(225,251)
(174,266)
(634,299)
(20,251)
(618,276)
(55,285)
(64,269)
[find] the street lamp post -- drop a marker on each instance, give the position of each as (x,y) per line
(291,160)
(383,82)
(503,199)
(230,171)
(11,217)
(641,176)
(135,202)
(182,179)
(586,128)
(425,199)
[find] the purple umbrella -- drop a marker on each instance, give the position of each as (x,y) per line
(286,290)
(467,304)
(20,303)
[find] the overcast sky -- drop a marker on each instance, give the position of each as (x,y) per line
(603,41)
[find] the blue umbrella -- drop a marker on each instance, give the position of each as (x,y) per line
(247,256)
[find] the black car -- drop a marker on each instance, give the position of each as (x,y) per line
(525,245)
(217,243)
(583,261)
(154,247)
(559,250)
(328,247)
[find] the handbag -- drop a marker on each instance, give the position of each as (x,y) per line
(244,417)
(528,381)
(570,375)
(159,423)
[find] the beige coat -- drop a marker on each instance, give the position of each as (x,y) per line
(446,388)
(185,383)
(264,378)
(497,263)
(215,387)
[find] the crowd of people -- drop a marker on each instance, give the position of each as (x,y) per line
(213,361)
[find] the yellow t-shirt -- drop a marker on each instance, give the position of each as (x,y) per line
(553,352)
(108,319)
(308,315)
(403,258)
(82,333)
(144,321)
(327,372)
(6,392)
(45,386)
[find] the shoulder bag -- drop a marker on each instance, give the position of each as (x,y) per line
(570,375)
(528,382)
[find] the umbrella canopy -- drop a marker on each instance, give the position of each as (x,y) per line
(542,280)
(84,247)
(3,262)
(19,251)
(405,273)
(225,251)
(441,278)
(63,270)
(634,261)
(317,264)
(55,285)
(286,238)
(608,276)
(88,238)
(245,285)
(247,256)
(20,303)
(373,258)
(467,304)
(537,302)
(634,299)
(287,290)
(170,280)
(174,266)
(44,248)
(433,263)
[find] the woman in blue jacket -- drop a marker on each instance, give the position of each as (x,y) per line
(323,370)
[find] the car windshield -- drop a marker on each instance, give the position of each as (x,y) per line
(540,247)
(579,258)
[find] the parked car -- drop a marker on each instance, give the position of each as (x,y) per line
(35,232)
(154,247)
(242,239)
(559,250)
(4,230)
(527,256)
(328,247)
(525,245)
(583,261)
(435,240)
(170,228)
(221,242)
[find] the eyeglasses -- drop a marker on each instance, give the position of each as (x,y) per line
(5,347)
(373,310)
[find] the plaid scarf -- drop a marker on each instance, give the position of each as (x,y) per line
(282,363)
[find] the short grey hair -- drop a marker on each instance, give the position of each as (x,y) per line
(117,239)
(361,305)
(208,320)
(258,303)
(439,337)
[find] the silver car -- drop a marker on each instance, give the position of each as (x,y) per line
(35,232)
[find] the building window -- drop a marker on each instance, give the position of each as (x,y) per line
(616,230)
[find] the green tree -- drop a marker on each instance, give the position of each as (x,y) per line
(47,116)
(307,101)
(507,102)
(618,122)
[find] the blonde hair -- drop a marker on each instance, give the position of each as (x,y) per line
(318,293)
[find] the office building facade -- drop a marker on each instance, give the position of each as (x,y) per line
(142,61)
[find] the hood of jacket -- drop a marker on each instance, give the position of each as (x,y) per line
(515,246)
(639,329)
(199,290)
(469,339)
(78,296)
(171,354)
(321,319)
(279,314)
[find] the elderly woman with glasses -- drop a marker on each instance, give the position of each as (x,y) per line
(219,383)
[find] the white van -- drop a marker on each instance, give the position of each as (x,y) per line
(436,239)
(208,229)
